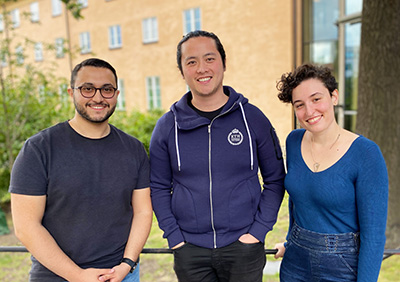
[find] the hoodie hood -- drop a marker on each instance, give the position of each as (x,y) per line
(186,118)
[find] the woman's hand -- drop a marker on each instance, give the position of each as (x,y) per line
(281,250)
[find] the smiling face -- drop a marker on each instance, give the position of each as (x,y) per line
(202,66)
(95,109)
(314,105)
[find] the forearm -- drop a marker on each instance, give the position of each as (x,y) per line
(141,225)
(44,248)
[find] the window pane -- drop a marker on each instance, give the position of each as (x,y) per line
(353,6)
(56,7)
(1,23)
(352,52)
(34,12)
(38,52)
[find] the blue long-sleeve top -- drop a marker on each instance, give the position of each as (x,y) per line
(349,196)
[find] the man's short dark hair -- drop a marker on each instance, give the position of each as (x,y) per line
(92,62)
(199,33)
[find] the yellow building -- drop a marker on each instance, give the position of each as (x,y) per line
(262,39)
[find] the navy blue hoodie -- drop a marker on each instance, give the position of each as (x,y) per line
(205,185)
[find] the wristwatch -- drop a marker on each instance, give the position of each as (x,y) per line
(131,263)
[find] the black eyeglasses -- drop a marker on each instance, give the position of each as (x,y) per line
(88,91)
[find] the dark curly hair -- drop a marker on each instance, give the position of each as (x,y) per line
(291,80)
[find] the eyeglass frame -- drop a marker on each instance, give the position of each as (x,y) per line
(95,91)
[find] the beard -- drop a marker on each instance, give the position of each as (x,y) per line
(83,113)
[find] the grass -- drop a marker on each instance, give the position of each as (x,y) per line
(159,267)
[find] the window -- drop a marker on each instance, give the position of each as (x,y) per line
(191,20)
(121,96)
(1,23)
(84,3)
(3,60)
(153,92)
(115,36)
(34,12)
(42,93)
(150,30)
(19,55)
(15,18)
(59,47)
(84,40)
(38,52)
(56,7)
(324,41)
(63,92)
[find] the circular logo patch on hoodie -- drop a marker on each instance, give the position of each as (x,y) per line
(235,137)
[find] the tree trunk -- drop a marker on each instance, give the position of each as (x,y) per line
(378,115)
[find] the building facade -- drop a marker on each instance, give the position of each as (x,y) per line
(262,39)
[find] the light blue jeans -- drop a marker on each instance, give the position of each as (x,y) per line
(134,276)
(131,277)
(312,256)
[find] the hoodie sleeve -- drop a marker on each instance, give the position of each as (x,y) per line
(273,173)
(161,180)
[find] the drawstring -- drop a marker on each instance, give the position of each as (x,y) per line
(177,145)
(248,133)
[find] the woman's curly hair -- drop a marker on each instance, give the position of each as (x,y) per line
(291,80)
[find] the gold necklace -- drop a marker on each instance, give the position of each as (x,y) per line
(316,164)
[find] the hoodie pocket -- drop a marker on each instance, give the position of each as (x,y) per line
(183,207)
(243,203)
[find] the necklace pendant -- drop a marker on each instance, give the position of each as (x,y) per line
(316,167)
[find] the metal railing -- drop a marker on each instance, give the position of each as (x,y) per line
(21,249)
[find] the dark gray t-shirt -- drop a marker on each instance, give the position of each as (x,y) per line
(89,185)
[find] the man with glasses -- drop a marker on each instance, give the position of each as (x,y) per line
(80,190)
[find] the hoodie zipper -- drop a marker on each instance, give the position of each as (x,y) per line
(210,175)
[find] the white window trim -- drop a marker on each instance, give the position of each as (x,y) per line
(121,97)
(34,7)
(1,22)
(192,20)
(156,90)
(115,37)
(56,7)
(38,52)
(84,3)
(59,48)
(19,55)
(84,41)
(150,30)
(15,18)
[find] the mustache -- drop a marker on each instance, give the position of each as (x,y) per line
(98,104)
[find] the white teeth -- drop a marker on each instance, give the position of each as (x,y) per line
(97,107)
(313,119)
(205,79)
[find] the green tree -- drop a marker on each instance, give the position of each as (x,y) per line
(379,97)
(30,100)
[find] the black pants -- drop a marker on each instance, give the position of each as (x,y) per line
(237,262)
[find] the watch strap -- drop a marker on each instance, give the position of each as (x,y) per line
(131,263)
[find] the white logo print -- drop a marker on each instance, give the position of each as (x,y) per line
(235,137)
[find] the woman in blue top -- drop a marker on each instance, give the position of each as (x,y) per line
(338,188)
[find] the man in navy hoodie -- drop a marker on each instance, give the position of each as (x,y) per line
(205,155)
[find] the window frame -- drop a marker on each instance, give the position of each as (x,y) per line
(115,37)
(153,92)
(85,43)
(150,30)
(34,8)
